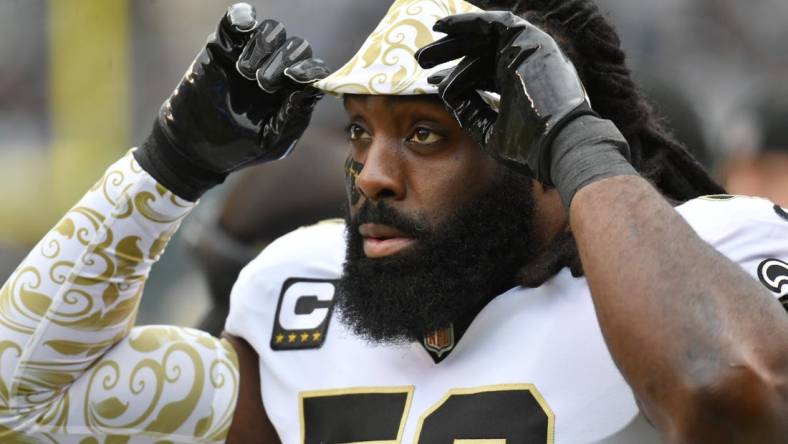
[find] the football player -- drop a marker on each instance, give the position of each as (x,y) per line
(526,257)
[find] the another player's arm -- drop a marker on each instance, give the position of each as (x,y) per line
(699,340)
(73,365)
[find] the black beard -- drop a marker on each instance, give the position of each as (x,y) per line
(450,273)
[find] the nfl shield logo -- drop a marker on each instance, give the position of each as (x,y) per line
(440,341)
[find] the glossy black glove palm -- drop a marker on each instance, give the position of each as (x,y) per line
(245,100)
(539,87)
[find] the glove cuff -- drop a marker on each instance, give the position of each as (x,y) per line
(586,150)
(162,159)
(543,163)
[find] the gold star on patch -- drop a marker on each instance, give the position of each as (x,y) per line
(279,338)
(304,336)
(291,337)
(316,336)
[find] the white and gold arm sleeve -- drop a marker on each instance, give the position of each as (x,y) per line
(72,367)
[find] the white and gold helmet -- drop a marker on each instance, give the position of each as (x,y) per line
(385,64)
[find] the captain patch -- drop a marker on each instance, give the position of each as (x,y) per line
(303,314)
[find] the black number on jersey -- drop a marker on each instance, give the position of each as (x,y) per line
(354,415)
(514,413)
(508,413)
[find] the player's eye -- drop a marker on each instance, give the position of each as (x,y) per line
(424,136)
(355,132)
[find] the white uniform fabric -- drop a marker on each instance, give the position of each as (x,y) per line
(542,342)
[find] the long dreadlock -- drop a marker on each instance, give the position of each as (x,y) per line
(594,47)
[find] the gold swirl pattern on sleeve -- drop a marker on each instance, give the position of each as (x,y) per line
(73,369)
(385,64)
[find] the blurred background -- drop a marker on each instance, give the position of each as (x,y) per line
(82,80)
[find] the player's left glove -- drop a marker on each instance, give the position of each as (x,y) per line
(545,125)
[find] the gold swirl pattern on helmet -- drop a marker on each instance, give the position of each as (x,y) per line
(72,367)
(385,64)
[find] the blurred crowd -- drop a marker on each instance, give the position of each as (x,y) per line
(81,82)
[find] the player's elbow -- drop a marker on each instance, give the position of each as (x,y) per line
(738,404)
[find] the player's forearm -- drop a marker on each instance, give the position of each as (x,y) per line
(670,308)
(76,294)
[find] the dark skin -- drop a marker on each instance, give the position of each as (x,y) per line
(250,422)
(705,366)
(414,156)
(703,369)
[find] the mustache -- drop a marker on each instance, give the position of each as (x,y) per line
(381,213)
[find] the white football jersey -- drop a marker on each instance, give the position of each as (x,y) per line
(532,366)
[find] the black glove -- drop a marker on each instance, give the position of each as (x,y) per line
(541,94)
(245,100)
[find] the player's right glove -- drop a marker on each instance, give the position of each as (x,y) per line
(245,100)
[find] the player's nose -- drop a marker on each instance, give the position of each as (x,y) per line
(382,176)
